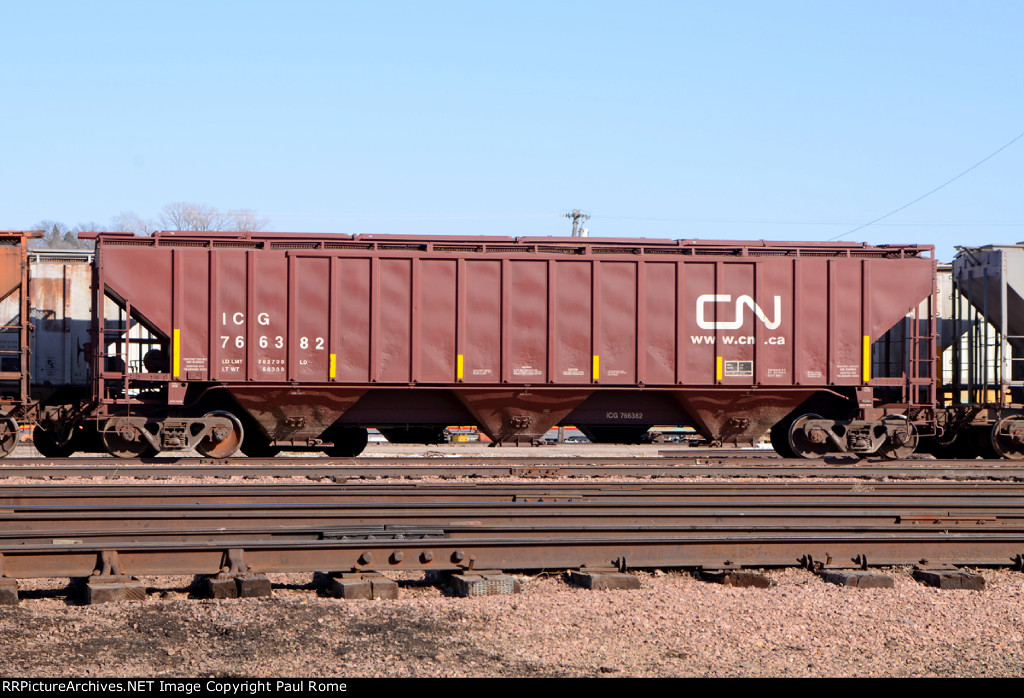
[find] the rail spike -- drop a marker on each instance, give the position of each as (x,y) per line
(808,562)
(233,562)
(109,564)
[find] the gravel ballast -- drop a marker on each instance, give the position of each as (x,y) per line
(674,625)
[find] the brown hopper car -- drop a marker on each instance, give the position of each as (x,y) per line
(264,342)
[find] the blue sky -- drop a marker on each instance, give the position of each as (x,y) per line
(727,120)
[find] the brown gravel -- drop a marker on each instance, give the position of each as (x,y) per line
(673,626)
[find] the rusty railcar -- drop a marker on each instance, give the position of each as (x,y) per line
(61,310)
(16,404)
(271,341)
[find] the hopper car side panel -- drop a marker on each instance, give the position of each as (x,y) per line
(784,321)
(300,332)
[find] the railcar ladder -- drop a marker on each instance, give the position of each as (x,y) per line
(15,351)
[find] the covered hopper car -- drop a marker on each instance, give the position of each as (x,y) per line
(270,342)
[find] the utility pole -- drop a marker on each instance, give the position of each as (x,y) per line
(577,217)
(578,231)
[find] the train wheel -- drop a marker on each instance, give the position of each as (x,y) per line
(49,447)
(9,436)
(349,442)
(124,440)
(902,440)
(1008,438)
(804,445)
(222,442)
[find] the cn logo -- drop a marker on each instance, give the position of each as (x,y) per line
(741,302)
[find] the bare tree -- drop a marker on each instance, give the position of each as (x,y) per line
(53,234)
(185,216)
(248,221)
(72,239)
(57,236)
(176,216)
(131,222)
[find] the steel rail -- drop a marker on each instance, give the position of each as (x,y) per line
(505,488)
(146,511)
(705,494)
(749,548)
(957,494)
(495,467)
(221,536)
(16,524)
(45,531)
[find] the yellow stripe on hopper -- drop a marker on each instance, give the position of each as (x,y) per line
(334,366)
(867,358)
(458,367)
(718,368)
(177,353)
(597,366)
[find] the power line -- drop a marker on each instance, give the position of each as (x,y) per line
(578,218)
(772,221)
(923,196)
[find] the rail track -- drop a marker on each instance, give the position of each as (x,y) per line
(716,464)
(103,532)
